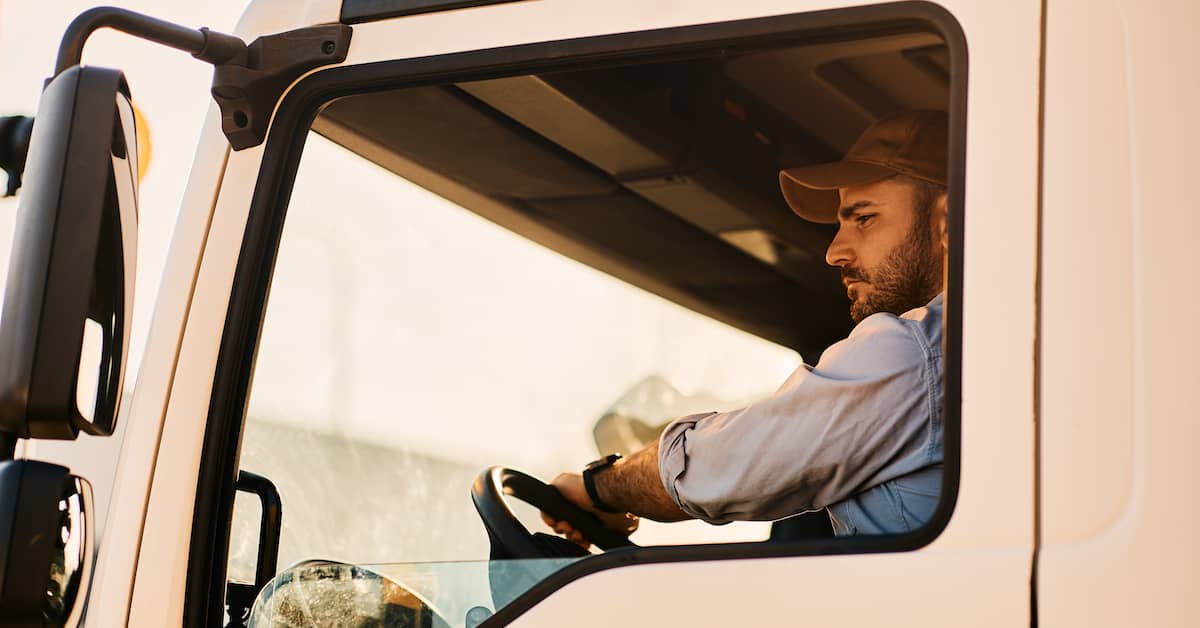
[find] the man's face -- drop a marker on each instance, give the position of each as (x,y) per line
(891,257)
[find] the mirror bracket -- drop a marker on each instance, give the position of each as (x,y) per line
(247,93)
(248,80)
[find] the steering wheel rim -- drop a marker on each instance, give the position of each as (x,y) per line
(488,494)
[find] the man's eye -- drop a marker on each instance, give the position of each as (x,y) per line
(863,219)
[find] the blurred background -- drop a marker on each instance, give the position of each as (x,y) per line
(169,87)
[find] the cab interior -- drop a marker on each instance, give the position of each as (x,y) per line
(664,174)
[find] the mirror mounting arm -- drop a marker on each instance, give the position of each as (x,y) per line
(204,44)
(248,80)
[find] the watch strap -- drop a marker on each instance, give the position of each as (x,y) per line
(589,482)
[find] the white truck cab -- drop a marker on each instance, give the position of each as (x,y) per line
(425,244)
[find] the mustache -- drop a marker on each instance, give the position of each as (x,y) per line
(854,274)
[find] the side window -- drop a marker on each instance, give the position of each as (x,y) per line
(535,271)
(409,344)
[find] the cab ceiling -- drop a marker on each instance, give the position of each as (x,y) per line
(664,175)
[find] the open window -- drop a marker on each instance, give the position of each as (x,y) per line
(535,266)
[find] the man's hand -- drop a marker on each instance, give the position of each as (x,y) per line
(571,487)
(631,483)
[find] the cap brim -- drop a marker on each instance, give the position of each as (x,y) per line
(812,191)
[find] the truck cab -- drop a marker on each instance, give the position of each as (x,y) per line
(484,242)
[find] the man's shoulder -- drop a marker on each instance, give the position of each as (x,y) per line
(885,338)
(925,321)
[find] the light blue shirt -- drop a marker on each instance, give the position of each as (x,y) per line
(860,433)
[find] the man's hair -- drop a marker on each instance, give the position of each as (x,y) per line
(925,194)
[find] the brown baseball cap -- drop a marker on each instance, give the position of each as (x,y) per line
(911,143)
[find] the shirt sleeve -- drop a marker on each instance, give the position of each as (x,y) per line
(862,416)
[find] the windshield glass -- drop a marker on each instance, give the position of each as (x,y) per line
(451,594)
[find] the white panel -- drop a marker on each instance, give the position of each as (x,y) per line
(276,16)
(117,559)
(541,20)
(1121,304)
(928,588)
(161,573)
(1087,400)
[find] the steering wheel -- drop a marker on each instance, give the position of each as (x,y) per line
(510,536)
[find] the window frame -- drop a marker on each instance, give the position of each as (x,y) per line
(216,482)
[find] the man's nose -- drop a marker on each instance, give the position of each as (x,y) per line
(839,252)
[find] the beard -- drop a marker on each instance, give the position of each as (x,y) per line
(909,277)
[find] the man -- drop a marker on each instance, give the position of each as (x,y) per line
(860,433)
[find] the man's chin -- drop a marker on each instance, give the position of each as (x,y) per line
(860,309)
(865,301)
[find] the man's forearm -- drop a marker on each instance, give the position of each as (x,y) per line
(633,484)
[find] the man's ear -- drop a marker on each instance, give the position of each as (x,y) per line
(940,220)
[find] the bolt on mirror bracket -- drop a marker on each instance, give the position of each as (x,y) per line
(247,79)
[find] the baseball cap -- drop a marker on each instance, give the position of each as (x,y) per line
(911,143)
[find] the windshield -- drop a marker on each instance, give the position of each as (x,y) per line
(451,594)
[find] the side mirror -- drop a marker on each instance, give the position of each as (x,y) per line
(45,544)
(64,327)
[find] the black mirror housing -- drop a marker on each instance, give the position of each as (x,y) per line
(45,544)
(64,329)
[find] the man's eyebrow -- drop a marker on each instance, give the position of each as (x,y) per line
(848,210)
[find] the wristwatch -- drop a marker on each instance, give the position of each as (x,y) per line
(589,482)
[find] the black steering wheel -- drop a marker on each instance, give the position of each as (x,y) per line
(510,538)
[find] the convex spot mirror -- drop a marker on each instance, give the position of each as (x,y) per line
(45,544)
(64,327)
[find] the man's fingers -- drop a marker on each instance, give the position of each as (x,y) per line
(576,537)
(625,523)
(567,531)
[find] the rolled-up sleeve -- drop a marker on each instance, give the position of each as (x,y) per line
(865,414)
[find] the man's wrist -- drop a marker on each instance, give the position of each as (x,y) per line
(590,474)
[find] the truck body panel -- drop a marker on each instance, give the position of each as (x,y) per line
(1077,334)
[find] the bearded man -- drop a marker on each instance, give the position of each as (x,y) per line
(860,433)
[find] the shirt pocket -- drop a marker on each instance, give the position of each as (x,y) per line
(917,495)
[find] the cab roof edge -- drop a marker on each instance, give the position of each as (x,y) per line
(358,11)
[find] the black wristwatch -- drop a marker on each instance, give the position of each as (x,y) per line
(589,482)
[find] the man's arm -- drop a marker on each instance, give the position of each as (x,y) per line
(632,485)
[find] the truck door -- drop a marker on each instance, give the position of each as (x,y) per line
(622,153)
(1118,400)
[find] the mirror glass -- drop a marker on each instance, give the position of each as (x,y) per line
(110,308)
(70,569)
(47,537)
